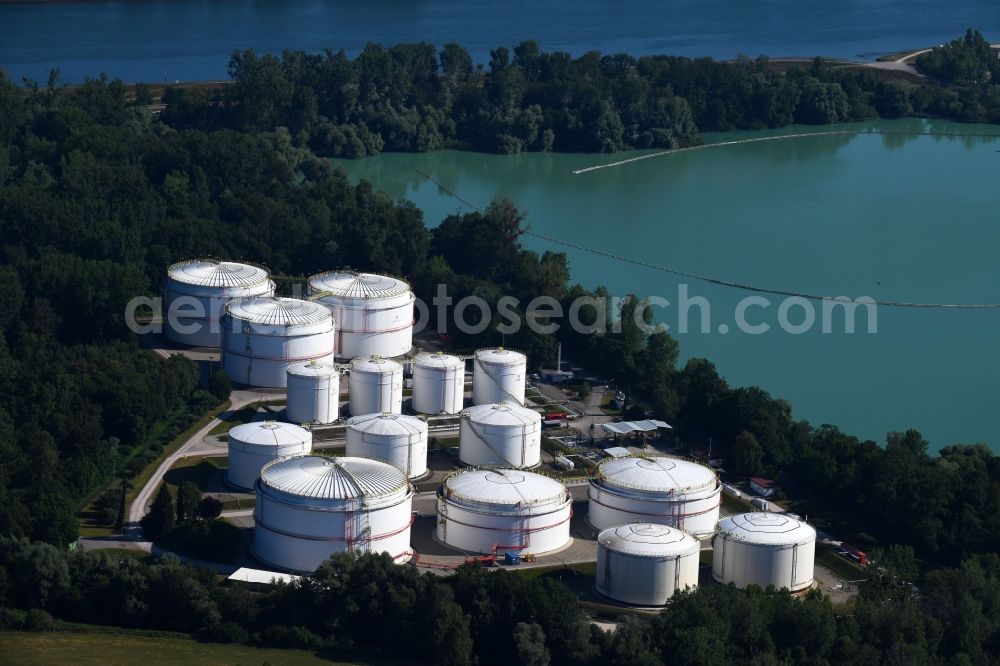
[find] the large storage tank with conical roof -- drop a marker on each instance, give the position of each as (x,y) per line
(196,293)
(667,491)
(764,549)
(313,393)
(310,507)
(644,564)
(263,336)
(374,313)
(438,384)
(253,445)
(498,375)
(375,386)
(513,509)
(500,435)
(396,439)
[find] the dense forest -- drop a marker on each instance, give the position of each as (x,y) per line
(410,97)
(353,605)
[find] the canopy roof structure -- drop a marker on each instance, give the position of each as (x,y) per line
(626,427)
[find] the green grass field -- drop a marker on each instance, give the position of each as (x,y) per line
(44,649)
(838,565)
(199,470)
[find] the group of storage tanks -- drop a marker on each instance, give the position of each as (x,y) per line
(652,513)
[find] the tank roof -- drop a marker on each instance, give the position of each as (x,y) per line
(662,475)
(501,356)
(213,273)
(353,285)
(277,311)
(648,540)
(766,529)
(438,360)
(270,433)
(504,486)
(387,424)
(313,368)
(375,364)
(320,477)
(502,413)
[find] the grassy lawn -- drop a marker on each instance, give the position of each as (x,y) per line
(840,566)
(239,417)
(198,470)
(732,504)
(61,647)
(442,442)
(559,570)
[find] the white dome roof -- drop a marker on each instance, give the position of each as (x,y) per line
(313,369)
(351,285)
(661,475)
(270,433)
(648,540)
(504,486)
(503,414)
(501,356)
(276,311)
(333,478)
(769,529)
(387,424)
(212,273)
(438,360)
(375,365)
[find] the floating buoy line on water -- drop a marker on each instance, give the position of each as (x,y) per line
(729,283)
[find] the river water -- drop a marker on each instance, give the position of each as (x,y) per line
(892,217)
(172,40)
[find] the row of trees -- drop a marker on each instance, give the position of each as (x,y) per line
(368,607)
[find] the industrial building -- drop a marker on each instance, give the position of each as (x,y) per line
(375,386)
(438,384)
(396,439)
(666,491)
(313,393)
(498,375)
(644,564)
(500,435)
(196,293)
(253,445)
(263,336)
(374,313)
(310,507)
(482,511)
(764,549)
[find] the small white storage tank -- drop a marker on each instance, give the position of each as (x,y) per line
(498,375)
(196,293)
(396,439)
(253,445)
(374,313)
(512,509)
(313,393)
(438,384)
(375,386)
(644,564)
(310,507)
(764,549)
(262,336)
(666,491)
(500,435)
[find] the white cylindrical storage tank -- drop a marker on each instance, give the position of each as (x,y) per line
(666,491)
(313,393)
(262,336)
(498,376)
(375,386)
(253,445)
(438,384)
(764,549)
(310,507)
(374,313)
(510,509)
(196,293)
(644,564)
(396,439)
(500,435)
